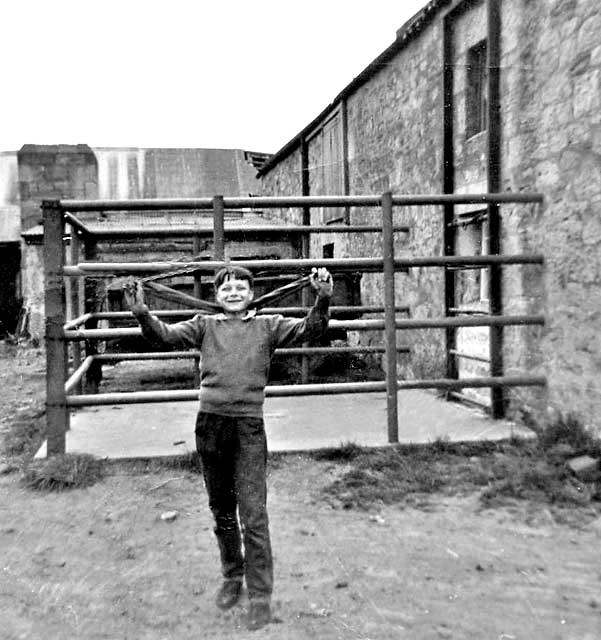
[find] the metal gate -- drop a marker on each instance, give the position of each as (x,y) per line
(65,278)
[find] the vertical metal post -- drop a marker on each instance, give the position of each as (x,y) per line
(494,186)
(76,302)
(345,163)
(197,294)
(390,318)
(94,372)
(57,416)
(218,228)
(305,245)
(448,172)
(197,278)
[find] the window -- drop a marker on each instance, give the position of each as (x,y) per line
(326,165)
(472,239)
(328,250)
(476,90)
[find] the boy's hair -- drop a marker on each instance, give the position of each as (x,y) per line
(233,272)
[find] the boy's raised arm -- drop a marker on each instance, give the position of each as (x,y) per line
(184,334)
(315,323)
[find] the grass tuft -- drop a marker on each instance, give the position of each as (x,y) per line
(567,430)
(345,452)
(62,472)
(523,469)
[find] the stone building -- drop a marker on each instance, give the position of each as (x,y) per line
(38,172)
(416,121)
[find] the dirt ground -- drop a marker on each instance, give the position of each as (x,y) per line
(101,563)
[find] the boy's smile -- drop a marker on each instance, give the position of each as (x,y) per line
(234,295)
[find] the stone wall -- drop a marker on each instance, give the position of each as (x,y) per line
(32,284)
(551,143)
(54,172)
(395,143)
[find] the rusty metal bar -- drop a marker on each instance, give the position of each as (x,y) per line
(77,375)
(196,246)
(390,319)
(316,351)
(469,356)
(351,325)
(139,204)
(189,313)
(287,351)
(94,373)
(218,228)
(448,173)
(184,231)
(470,400)
(139,397)
(75,295)
(474,383)
(57,416)
(335,264)
(76,322)
(172,204)
(147,355)
(467,312)
(76,224)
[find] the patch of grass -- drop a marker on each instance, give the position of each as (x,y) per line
(61,472)
(567,430)
(396,474)
(26,434)
(537,471)
(532,469)
(345,452)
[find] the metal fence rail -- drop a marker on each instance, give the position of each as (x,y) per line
(182,204)
(351,325)
(61,331)
(333,388)
(301,264)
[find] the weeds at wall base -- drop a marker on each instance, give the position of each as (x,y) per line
(515,469)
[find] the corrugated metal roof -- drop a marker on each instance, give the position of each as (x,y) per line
(148,219)
(125,173)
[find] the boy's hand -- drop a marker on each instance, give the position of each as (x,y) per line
(321,281)
(133,294)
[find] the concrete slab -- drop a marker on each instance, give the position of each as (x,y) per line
(292,424)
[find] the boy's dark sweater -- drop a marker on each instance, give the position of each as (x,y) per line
(235,353)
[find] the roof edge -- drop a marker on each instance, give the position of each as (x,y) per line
(412,28)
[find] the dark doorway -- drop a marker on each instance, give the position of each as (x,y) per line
(10,304)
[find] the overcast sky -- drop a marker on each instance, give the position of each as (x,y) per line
(244,74)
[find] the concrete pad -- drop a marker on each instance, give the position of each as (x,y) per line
(292,424)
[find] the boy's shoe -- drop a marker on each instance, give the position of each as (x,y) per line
(259,615)
(229,594)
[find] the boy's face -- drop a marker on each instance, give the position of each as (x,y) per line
(234,295)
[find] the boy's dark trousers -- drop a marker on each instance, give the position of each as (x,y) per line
(233,451)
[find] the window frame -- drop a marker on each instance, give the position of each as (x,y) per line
(476,89)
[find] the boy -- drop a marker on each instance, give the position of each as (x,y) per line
(236,347)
